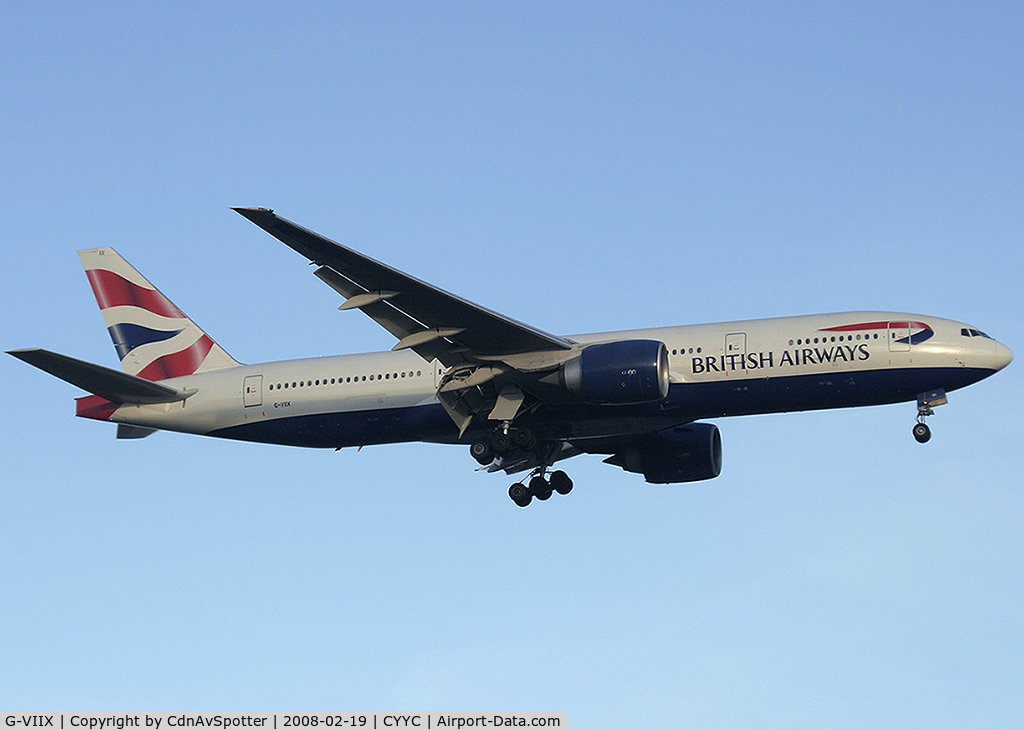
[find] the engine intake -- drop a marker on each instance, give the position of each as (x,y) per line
(619,373)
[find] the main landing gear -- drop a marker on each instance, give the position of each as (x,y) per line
(540,487)
(503,442)
(520,442)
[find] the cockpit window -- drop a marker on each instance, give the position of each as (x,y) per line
(971,332)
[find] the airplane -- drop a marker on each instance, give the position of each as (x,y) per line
(520,398)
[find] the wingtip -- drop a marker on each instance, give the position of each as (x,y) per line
(252,212)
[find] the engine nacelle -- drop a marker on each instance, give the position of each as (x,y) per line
(628,371)
(688,453)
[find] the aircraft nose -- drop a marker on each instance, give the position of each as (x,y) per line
(1003,356)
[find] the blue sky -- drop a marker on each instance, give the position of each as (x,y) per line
(579,167)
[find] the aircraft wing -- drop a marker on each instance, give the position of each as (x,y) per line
(495,365)
(421,315)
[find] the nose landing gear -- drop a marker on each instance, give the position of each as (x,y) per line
(925,402)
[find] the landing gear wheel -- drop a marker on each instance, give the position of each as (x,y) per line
(922,433)
(540,488)
(482,452)
(502,443)
(561,482)
(522,438)
(520,494)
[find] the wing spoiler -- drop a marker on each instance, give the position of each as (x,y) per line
(112,385)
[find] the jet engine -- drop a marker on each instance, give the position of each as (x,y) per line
(689,453)
(613,373)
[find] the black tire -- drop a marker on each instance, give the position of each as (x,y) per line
(922,433)
(540,488)
(482,452)
(523,439)
(520,494)
(561,482)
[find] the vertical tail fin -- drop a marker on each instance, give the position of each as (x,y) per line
(153,338)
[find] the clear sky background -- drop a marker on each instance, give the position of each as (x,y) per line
(577,166)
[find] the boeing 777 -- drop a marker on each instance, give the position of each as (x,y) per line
(520,398)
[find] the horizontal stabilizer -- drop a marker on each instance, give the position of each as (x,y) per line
(113,385)
(127,431)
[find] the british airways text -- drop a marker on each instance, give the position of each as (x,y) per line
(788,358)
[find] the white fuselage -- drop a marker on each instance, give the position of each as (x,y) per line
(729,368)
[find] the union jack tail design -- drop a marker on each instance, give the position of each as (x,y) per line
(153,338)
